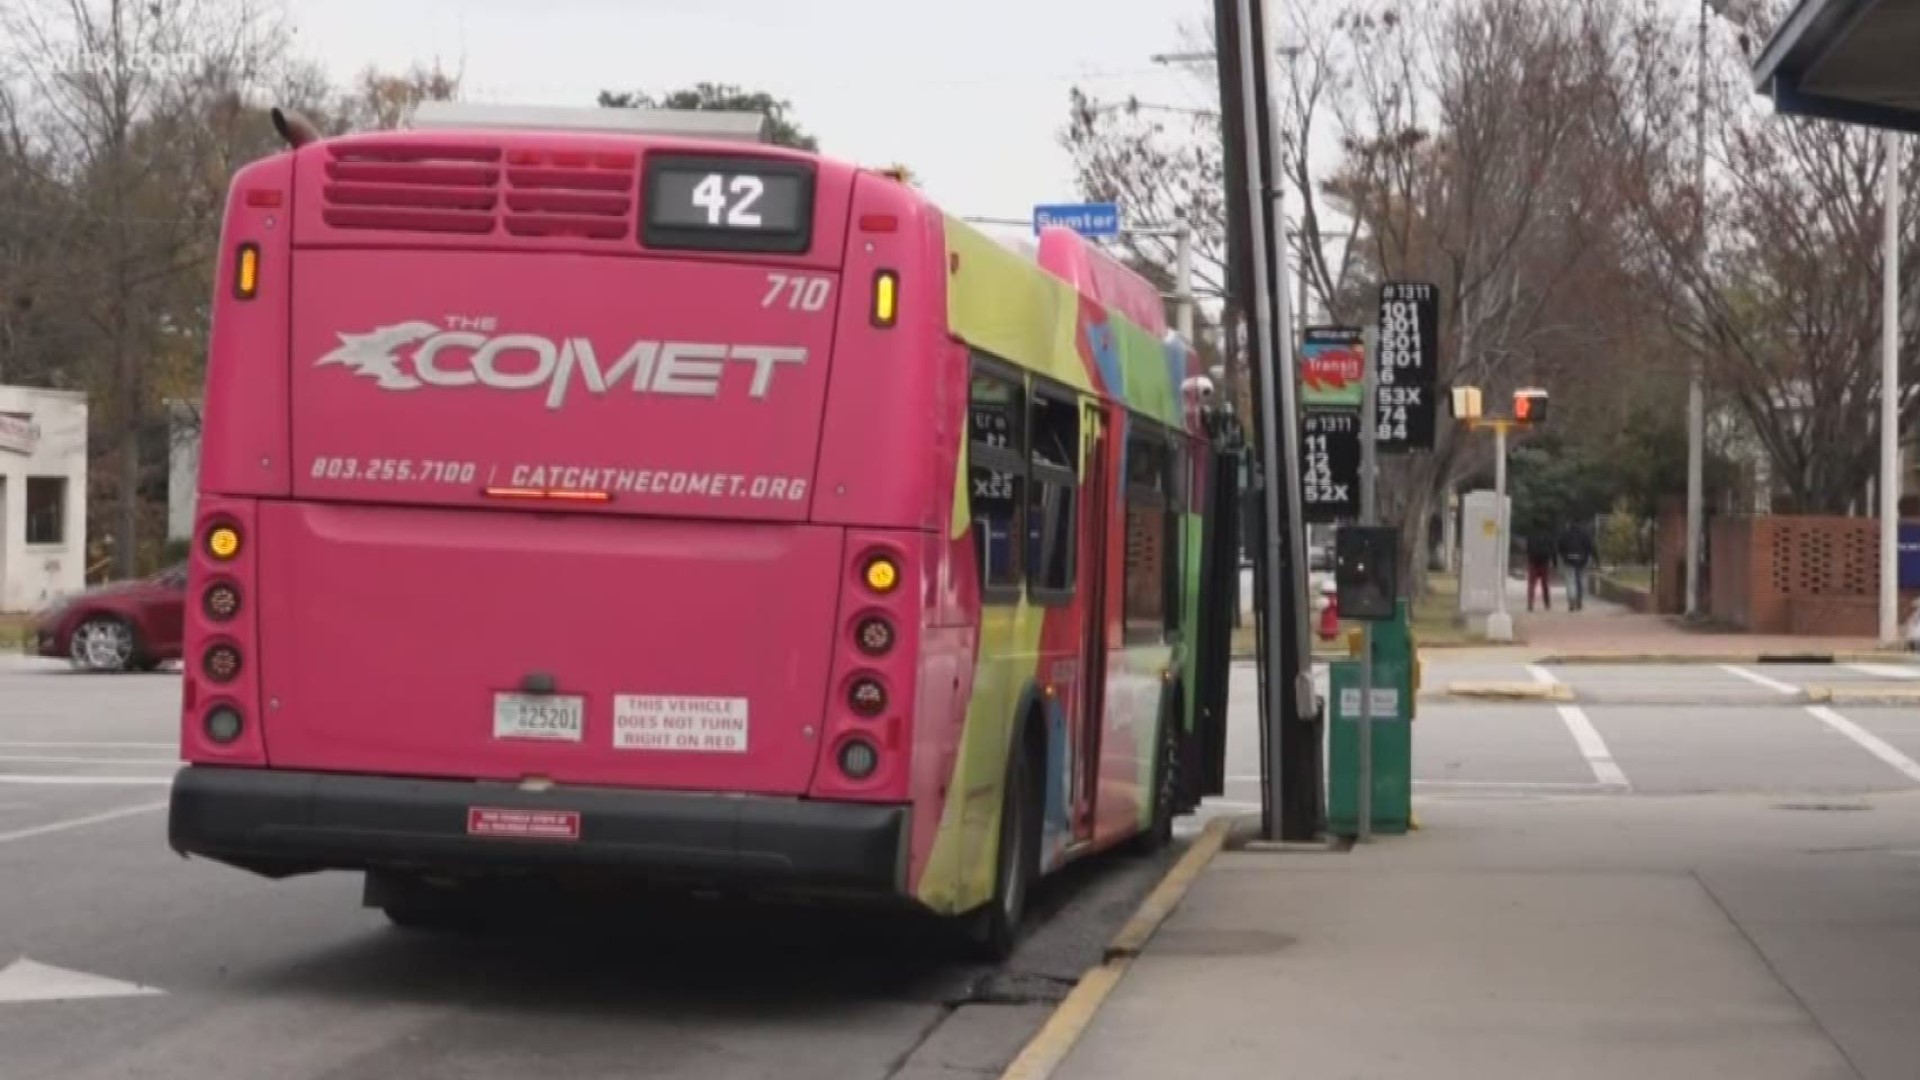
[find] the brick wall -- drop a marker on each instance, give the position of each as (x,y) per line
(1797,575)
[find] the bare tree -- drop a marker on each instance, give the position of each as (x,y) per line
(124,105)
(1769,272)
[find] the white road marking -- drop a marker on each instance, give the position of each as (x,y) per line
(36,759)
(1593,748)
(1542,675)
(77,823)
(1555,785)
(1873,744)
(89,745)
(1758,679)
(1887,671)
(26,980)
(83,781)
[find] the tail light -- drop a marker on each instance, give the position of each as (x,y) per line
(867,697)
(858,759)
(881,574)
(224,724)
(874,636)
(221,663)
(221,602)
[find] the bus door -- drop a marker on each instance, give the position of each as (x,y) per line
(1096,530)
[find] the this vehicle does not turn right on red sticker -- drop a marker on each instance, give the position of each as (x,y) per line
(704,725)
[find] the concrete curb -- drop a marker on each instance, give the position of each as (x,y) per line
(1509,691)
(1811,657)
(1863,695)
(1050,1046)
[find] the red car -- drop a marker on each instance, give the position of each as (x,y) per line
(121,626)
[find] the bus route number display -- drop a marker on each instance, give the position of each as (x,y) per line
(1330,465)
(728,204)
(1407,367)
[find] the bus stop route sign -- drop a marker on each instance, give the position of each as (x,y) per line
(1407,354)
(1333,367)
(1330,465)
(1095,220)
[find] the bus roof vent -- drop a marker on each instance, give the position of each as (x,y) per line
(682,123)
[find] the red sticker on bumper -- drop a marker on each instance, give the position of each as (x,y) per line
(524,824)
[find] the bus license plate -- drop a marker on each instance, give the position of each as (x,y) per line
(538,716)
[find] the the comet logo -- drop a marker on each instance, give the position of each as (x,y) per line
(374,355)
(414,355)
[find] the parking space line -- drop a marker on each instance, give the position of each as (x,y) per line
(1758,679)
(1887,671)
(77,823)
(1542,675)
(1871,743)
(42,759)
(88,745)
(1593,748)
(83,781)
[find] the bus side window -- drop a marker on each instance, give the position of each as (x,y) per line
(1148,560)
(1052,530)
(997,479)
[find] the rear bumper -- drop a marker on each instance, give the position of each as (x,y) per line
(280,823)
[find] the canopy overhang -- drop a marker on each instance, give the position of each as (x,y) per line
(1855,61)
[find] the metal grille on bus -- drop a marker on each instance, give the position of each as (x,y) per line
(479,190)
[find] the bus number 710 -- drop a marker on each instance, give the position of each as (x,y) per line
(804,293)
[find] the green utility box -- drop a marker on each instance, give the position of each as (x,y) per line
(1396,679)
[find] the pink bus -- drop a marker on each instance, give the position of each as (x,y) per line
(608,500)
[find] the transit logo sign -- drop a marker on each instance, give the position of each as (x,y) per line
(469,353)
(1333,368)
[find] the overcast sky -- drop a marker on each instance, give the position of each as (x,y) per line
(971,96)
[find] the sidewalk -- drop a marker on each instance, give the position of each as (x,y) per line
(1567,938)
(1602,629)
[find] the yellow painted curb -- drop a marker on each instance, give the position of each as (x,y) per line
(1511,691)
(1057,1037)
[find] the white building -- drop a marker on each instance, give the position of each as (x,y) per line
(183,466)
(43,495)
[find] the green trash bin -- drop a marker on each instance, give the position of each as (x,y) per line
(1393,704)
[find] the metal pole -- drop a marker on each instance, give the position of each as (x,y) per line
(1286,390)
(1696,393)
(1261,345)
(1500,623)
(1183,282)
(1890,402)
(1368,510)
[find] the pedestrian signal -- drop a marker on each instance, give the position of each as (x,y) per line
(1465,402)
(1530,406)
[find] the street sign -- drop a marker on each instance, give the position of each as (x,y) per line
(1408,358)
(1097,220)
(1333,367)
(1909,551)
(1330,465)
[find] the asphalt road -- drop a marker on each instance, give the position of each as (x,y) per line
(1680,729)
(201,971)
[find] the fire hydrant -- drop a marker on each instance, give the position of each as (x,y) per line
(1329,613)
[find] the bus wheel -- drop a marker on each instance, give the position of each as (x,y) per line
(1166,787)
(993,931)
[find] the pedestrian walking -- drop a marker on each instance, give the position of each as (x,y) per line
(1541,559)
(1576,553)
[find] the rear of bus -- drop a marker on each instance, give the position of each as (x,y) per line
(552,513)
